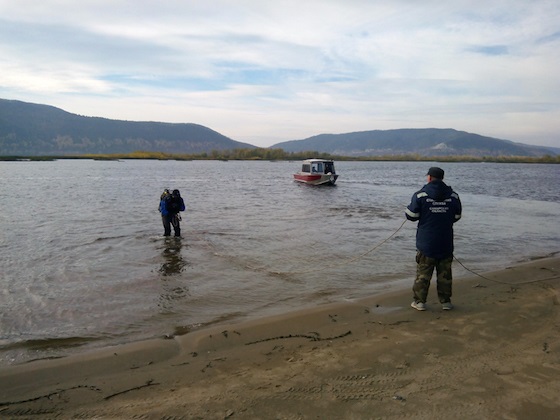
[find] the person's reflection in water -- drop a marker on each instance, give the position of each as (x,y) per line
(173,260)
(174,288)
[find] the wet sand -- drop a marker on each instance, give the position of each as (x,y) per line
(496,355)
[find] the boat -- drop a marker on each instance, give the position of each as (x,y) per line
(316,172)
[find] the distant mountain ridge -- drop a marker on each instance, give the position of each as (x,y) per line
(421,141)
(28,129)
(33,129)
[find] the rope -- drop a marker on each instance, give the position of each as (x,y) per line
(369,251)
(503,282)
(356,258)
(346,262)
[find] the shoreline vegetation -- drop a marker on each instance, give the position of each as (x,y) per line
(281,155)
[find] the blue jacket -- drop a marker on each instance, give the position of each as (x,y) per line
(436,207)
(171,205)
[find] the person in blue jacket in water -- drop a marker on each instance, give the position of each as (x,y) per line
(436,207)
(170,205)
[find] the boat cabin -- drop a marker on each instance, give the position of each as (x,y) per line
(317,172)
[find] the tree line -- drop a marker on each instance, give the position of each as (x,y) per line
(280,154)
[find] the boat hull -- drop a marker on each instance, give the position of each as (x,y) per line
(315,179)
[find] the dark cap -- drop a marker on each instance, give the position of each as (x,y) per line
(435,172)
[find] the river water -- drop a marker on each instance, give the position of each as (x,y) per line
(84,264)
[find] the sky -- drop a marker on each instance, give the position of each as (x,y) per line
(267,71)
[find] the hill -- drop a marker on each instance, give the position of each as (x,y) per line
(34,130)
(28,129)
(424,142)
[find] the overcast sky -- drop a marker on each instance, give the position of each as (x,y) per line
(265,71)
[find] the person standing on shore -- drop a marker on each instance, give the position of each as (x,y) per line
(436,207)
(170,205)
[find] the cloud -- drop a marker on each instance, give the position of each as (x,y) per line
(490,49)
(553,37)
(264,72)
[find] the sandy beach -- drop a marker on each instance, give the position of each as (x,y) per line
(496,355)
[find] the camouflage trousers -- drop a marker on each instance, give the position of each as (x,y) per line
(424,270)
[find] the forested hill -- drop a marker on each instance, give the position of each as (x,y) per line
(37,130)
(423,142)
(32,130)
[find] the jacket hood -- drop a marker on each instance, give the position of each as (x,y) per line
(438,190)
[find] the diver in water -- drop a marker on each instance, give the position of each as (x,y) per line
(169,206)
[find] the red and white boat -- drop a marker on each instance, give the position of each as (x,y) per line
(317,172)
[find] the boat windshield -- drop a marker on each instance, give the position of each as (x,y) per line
(317,167)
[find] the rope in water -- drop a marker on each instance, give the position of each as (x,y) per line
(346,262)
(370,250)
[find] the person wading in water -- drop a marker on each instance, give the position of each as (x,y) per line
(170,205)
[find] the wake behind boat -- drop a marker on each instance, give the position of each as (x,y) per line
(317,172)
